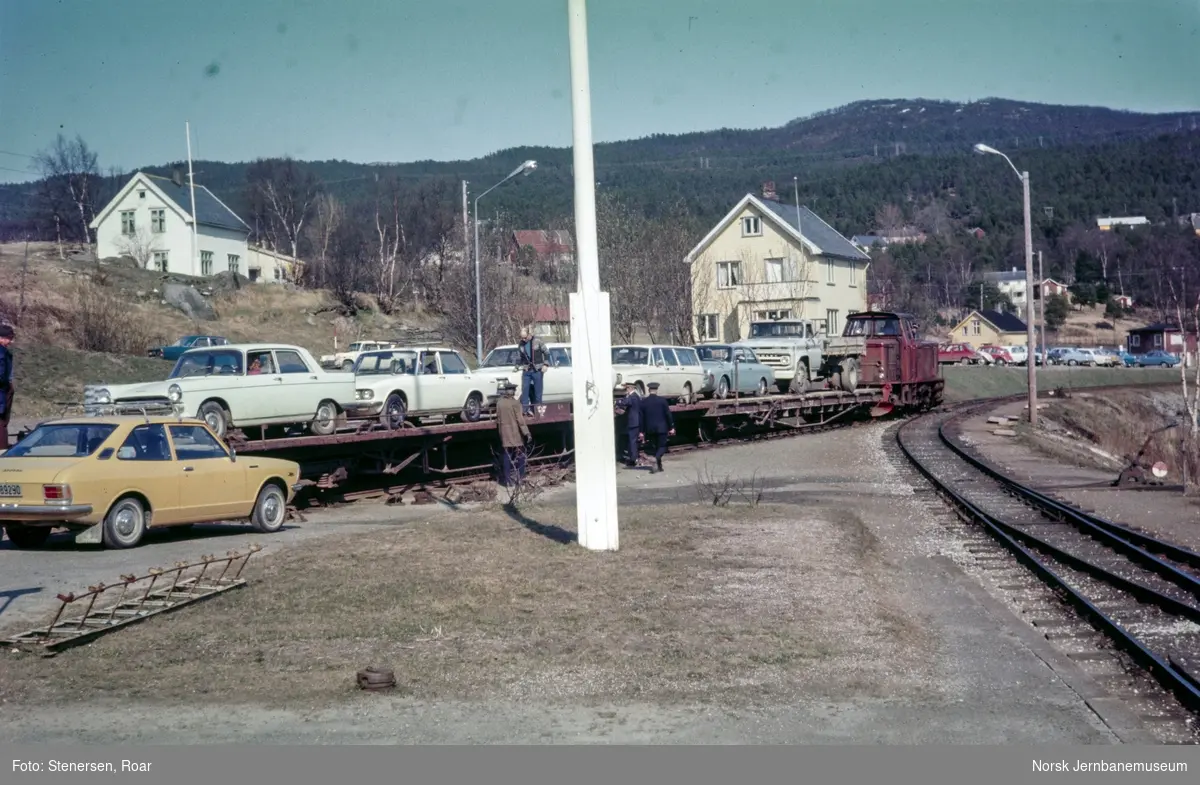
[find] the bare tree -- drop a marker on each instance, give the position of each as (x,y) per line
(139,246)
(889,219)
(389,240)
(283,198)
(70,185)
(934,218)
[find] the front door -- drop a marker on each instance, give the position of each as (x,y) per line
(456,378)
(212,487)
(429,385)
(299,385)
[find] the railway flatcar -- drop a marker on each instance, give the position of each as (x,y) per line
(897,361)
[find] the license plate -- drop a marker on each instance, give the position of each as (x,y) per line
(9,490)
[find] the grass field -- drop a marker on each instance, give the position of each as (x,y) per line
(977,381)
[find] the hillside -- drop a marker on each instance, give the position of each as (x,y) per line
(710,169)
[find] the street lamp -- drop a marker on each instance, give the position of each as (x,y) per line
(1029,334)
(525,168)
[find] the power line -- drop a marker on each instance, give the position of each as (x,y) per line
(19,155)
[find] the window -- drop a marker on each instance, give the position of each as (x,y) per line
(200,363)
(751,226)
(831,322)
(829,277)
(976,326)
(206,262)
(61,441)
(160,261)
(687,357)
(127,225)
(145,443)
(729,274)
(560,357)
(706,327)
(235,263)
(194,443)
(791,271)
(964,331)
(452,363)
(774,270)
(290,362)
(630,355)
(773,315)
(259,363)
(278,274)
(141,194)
(854,274)
(668,356)
(429,364)
(158,221)
(1158,339)
(1135,340)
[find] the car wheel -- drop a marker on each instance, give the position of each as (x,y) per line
(722,388)
(347,366)
(762,388)
(394,411)
(215,416)
(125,524)
(848,378)
(22,536)
(325,421)
(687,396)
(1001,362)
(801,383)
(1071,362)
(270,511)
(963,361)
(473,409)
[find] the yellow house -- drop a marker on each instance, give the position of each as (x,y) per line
(768,260)
(990,327)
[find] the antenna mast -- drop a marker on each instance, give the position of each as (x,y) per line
(192,187)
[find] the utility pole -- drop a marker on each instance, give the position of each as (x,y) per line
(591,338)
(1042,299)
(466,219)
(1029,338)
(195,265)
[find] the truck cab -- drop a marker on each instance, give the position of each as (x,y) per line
(791,347)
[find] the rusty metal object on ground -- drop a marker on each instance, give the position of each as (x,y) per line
(375,679)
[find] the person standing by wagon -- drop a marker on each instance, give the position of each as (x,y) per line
(632,406)
(510,422)
(534,360)
(6,385)
(658,423)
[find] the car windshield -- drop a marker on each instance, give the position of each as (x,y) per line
(773,329)
(866,327)
(204,363)
(380,363)
(630,355)
(185,341)
(67,440)
(504,357)
(714,353)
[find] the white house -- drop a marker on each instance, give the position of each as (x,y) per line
(150,219)
(1011,283)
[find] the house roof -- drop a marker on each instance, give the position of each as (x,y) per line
(1155,328)
(544,241)
(210,211)
(1002,322)
(544,314)
(802,225)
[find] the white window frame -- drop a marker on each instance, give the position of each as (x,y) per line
(1135,340)
(158,220)
(830,276)
(234,262)
(161,262)
(128,222)
(854,274)
(751,226)
(704,322)
(206,262)
(831,321)
(773,271)
(732,270)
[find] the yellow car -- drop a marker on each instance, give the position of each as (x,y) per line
(109,479)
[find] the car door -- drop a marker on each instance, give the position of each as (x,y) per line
(249,392)
(428,385)
(666,372)
(301,388)
(456,379)
(690,367)
(150,469)
(556,384)
(212,486)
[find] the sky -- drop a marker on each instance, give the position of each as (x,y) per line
(407,80)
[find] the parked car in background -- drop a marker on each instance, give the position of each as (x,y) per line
(1128,360)
(733,368)
(173,351)
(998,354)
(397,383)
(1156,358)
(1072,356)
(677,369)
(504,362)
(960,354)
(122,475)
(240,385)
(345,360)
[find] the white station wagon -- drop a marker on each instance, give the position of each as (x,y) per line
(240,385)
(677,369)
(503,362)
(395,383)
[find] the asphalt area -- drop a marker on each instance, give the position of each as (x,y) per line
(823,604)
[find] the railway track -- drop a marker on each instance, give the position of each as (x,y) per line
(1141,592)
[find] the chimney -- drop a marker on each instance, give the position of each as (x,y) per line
(768,191)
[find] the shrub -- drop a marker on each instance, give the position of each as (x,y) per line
(102,322)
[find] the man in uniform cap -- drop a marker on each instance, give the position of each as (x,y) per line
(658,422)
(6,386)
(510,422)
(632,404)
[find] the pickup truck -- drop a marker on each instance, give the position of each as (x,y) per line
(803,356)
(346,360)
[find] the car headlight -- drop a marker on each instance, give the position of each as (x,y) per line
(174,393)
(365,395)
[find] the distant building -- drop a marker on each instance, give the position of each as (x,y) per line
(980,328)
(976,232)
(1192,221)
(1051,287)
(1159,337)
(549,322)
(1123,300)
(884,239)
(1011,283)
(150,220)
(1107,224)
(554,247)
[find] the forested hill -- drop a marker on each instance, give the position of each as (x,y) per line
(849,161)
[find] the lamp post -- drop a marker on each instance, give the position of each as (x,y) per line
(1031,351)
(524,168)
